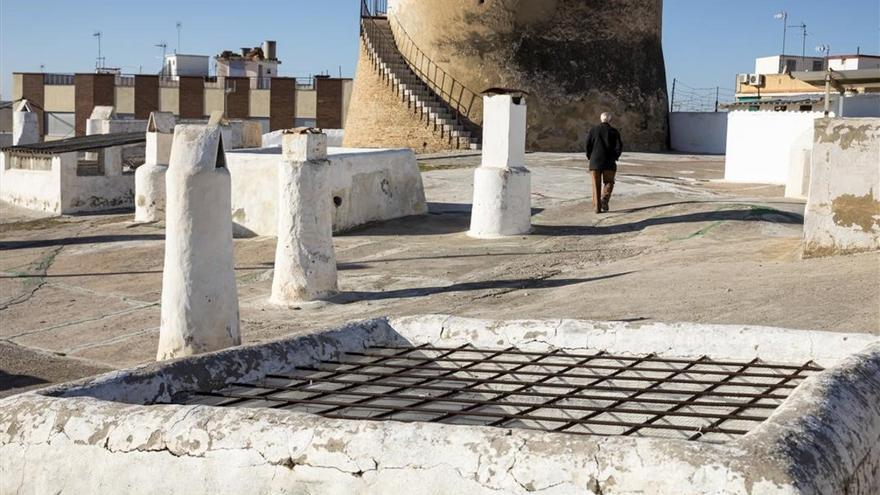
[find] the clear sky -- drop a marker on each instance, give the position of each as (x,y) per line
(706,42)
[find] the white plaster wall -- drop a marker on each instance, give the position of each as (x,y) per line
(93,193)
(843,209)
(373,185)
(698,132)
(38,190)
(801,154)
(759,144)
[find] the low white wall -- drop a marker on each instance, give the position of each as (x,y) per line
(760,144)
(698,132)
(843,209)
(371,185)
(59,190)
(34,189)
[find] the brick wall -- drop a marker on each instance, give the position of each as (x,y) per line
(191,97)
(146,96)
(91,90)
(329,110)
(32,89)
(238,101)
(282,103)
(377,118)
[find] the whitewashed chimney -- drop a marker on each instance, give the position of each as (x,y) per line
(502,184)
(149,178)
(305,262)
(25,125)
(199,297)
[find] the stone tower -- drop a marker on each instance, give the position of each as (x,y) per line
(575,59)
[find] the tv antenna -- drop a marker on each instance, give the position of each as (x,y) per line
(164,47)
(179,27)
(803,28)
(99,63)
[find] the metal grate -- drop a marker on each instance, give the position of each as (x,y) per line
(598,394)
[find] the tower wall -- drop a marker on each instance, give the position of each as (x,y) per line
(576,59)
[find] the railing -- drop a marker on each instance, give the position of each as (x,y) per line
(379,8)
(464,103)
(165,81)
(124,80)
(58,79)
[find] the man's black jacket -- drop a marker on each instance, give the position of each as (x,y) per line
(604,147)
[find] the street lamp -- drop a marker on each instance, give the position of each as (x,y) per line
(783,16)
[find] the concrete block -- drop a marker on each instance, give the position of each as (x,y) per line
(302,147)
(843,209)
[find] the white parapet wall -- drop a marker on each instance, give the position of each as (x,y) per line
(367,185)
(51,184)
(32,182)
(698,132)
(843,209)
(760,145)
(128,425)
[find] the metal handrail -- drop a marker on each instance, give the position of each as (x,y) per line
(462,101)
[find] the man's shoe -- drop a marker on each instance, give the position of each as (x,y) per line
(604,205)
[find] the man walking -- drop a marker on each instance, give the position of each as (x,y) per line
(604,147)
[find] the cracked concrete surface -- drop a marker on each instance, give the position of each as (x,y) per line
(821,440)
(677,246)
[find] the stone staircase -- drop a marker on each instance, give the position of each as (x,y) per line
(379,42)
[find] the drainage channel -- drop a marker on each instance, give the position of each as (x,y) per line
(587,394)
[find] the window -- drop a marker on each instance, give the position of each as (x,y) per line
(790,65)
(817,65)
(806,108)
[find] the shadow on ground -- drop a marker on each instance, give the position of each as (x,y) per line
(751,215)
(515,284)
(71,241)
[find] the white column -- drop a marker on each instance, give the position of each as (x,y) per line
(149,178)
(199,297)
(305,263)
(25,125)
(502,184)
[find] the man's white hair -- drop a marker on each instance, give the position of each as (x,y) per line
(606,117)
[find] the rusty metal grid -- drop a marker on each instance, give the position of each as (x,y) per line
(593,394)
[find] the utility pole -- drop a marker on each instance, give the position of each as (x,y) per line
(717,91)
(672,101)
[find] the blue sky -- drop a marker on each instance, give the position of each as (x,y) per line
(706,41)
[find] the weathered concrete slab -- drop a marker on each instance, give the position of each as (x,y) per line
(822,439)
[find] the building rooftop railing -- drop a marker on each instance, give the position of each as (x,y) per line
(127,80)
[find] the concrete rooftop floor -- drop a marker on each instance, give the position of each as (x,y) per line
(80,295)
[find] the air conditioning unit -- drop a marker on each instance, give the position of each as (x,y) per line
(743,78)
(756,79)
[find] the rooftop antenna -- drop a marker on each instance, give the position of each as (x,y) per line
(179,27)
(825,50)
(99,63)
(163,46)
(803,28)
(783,16)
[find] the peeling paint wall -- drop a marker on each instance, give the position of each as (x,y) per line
(843,208)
